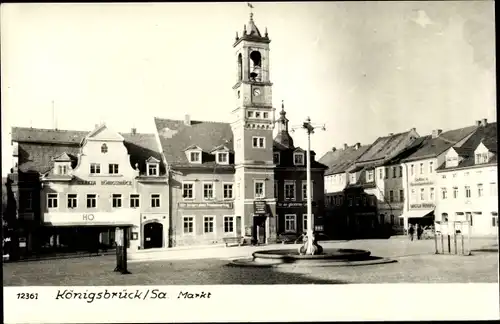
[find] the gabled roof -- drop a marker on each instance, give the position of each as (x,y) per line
(298,150)
(62,158)
(175,136)
(432,147)
(152,159)
(193,147)
(38,147)
(220,148)
(339,161)
(384,147)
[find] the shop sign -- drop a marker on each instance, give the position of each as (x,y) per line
(260,208)
(422,206)
(291,204)
(122,217)
(421,180)
(214,205)
(103,182)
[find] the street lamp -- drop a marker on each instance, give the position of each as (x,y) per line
(310,245)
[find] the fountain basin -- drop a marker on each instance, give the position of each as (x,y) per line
(329,257)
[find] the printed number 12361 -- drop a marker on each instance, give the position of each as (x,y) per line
(27,296)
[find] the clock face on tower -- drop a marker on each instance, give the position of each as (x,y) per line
(256,92)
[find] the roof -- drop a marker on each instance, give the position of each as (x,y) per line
(38,147)
(411,149)
(483,134)
(175,136)
(435,146)
(384,147)
(287,159)
(340,160)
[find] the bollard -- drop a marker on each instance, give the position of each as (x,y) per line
(435,243)
(442,243)
(463,249)
(449,244)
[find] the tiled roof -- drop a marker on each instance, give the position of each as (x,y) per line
(339,161)
(411,149)
(37,147)
(175,136)
(286,159)
(383,147)
(435,146)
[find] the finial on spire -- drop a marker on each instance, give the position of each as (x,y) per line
(266,33)
(237,36)
(282,104)
(244,30)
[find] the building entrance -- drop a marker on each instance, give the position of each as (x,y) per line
(259,229)
(153,235)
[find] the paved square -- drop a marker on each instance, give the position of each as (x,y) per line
(416,263)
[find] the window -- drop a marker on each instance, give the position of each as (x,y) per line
(479,190)
(195,157)
(444,217)
(188,190)
(228,191)
(467,192)
(228,224)
(341,200)
(134,201)
(27,200)
(113,169)
(493,189)
(117,200)
(401,195)
(188,224)
(369,176)
(444,193)
(250,114)
(95,168)
(276,189)
(381,173)
(422,194)
(394,173)
(468,217)
(155,201)
(259,189)
(412,169)
(52,200)
(386,173)
(153,169)
(304,190)
(208,191)
(266,115)
(104,148)
(72,201)
(431,167)
(431,194)
(257,114)
(208,224)
(290,223)
(381,218)
(413,195)
(392,220)
(391,196)
(276,158)
(62,169)
(364,200)
(349,200)
(223,158)
(352,178)
(421,168)
(289,190)
(304,222)
(400,171)
(258,142)
(455,192)
(91,200)
(298,158)
(494,219)
(481,158)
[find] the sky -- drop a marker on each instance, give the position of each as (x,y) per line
(364,69)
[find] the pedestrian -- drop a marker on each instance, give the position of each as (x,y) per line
(419,232)
(411,230)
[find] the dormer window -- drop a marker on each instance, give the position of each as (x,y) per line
(353,177)
(62,169)
(298,158)
(152,166)
(152,170)
(481,158)
(276,158)
(195,157)
(104,148)
(222,157)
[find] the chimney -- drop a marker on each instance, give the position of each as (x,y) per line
(134,131)
(436,133)
(187,120)
(484,122)
(334,149)
(478,123)
(357,146)
(390,134)
(345,146)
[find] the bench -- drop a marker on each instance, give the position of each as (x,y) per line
(233,240)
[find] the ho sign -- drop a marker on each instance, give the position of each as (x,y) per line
(88,217)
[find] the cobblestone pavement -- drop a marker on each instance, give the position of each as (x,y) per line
(417,263)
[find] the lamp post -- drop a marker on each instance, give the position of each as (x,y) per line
(310,245)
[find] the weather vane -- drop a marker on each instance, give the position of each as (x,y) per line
(251,7)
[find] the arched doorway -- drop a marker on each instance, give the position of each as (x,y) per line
(153,235)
